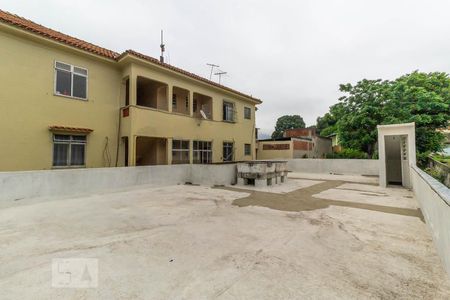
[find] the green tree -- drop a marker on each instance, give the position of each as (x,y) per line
(287,122)
(327,124)
(423,98)
(361,112)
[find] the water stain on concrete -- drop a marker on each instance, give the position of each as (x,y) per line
(303,200)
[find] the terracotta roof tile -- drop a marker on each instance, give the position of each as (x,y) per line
(184,72)
(28,25)
(69,129)
(54,35)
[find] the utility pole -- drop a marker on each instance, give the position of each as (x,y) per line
(212,68)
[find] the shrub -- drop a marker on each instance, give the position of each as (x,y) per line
(422,159)
(349,153)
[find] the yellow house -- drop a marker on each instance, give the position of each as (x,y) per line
(68,103)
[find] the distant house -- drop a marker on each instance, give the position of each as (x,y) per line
(335,144)
(295,143)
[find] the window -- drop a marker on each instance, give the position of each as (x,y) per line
(247,113)
(180,152)
(202,152)
(228,111)
(227,151)
(187,103)
(71,81)
(194,104)
(69,150)
(174,101)
(247,149)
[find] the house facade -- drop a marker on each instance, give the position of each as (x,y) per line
(67,103)
(295,143)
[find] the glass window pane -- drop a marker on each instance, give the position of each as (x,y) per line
(185,145)
(77,155)
(63,83)
(79,86)
(61,137)
(60,153)
(60,65)
(80,71)
(79,138)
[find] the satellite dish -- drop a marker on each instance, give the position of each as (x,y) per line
(203,114)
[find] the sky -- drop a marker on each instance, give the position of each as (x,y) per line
(290,54)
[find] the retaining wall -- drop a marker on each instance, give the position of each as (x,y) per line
(434,200)
(30,184)
(337,166)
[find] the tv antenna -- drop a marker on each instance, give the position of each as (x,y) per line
(220,73)
(163,48)
(212,68)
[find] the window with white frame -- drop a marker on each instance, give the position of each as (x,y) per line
(202,152)
(228,111)
(180,152)
(227,151)
(247,113)
(70,80)
(247,149)
(69,150)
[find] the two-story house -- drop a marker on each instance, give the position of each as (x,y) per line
(68,103)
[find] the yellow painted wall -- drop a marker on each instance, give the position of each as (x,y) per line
(29,106)
(275,154)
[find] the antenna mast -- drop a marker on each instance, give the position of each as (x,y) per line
(212,68)
(220,74)
(163,48)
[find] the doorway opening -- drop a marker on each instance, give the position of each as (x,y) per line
(151,151)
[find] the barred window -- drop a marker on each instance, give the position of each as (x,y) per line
(247,149)
(228,111)
(70,81)
(202,152)
(180,152)
(69,150)
(247,113)
(227,151)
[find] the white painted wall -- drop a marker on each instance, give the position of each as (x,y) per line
(30,184)
(337,166)
(409,159)
(434,200)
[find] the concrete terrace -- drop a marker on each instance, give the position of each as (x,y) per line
(323,237)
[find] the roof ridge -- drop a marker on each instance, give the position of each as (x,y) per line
(26,24)
(187,73)
(22,22)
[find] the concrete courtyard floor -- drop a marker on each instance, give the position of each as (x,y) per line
(321,239)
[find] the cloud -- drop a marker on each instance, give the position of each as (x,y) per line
(291,54)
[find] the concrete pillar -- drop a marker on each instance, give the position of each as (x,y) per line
(132,150)
(133,87)
(169,101)
(191,103)
(169,149)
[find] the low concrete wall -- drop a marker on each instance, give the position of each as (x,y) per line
(434,200)
(337,166)
(213,174)
(30,184)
